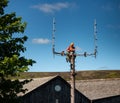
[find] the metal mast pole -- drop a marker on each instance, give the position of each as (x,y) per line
(73,74)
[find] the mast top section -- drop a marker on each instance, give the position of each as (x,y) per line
(85,54)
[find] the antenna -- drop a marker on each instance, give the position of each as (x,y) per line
(95,38)
(53,37)
(53,40)
(72,56)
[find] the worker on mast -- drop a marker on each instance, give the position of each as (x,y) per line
(70,49)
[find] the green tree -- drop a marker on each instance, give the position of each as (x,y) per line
(11,61)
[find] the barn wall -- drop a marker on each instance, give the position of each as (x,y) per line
(47,93)
(114,99)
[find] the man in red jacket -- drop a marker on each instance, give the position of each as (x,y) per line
(70,49)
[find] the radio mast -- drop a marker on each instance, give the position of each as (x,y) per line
(73,56)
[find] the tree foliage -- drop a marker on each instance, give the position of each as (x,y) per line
(11,61)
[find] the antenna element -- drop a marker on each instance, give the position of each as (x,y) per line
(53,36)
(95,38)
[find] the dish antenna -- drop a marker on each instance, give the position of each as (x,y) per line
(73,56)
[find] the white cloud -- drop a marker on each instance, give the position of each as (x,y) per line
(51,8)
(41,41)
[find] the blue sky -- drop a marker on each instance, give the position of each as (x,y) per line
(74,23)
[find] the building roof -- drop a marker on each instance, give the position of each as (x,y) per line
(35,83)
(99,88)
(93,89)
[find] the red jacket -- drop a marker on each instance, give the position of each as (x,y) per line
(71,49)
